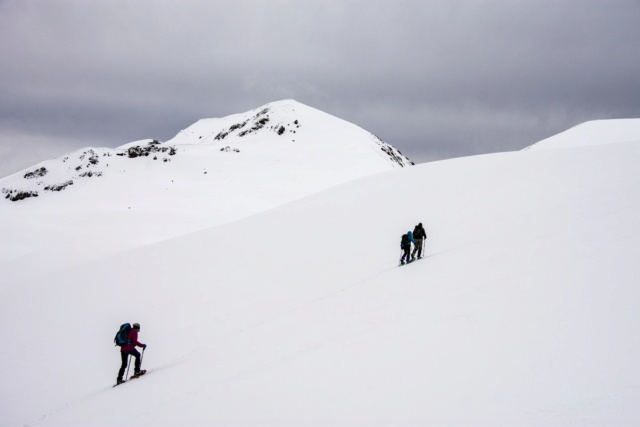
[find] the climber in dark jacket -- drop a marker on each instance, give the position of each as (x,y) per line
(420,236)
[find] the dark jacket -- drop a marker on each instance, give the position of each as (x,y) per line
(419,232)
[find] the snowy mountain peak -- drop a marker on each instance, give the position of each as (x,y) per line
(285,120)
(292,131)
(270,118)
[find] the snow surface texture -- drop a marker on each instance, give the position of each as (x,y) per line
(524,311)
(147,191)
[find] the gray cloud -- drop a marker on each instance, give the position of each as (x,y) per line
(437,79)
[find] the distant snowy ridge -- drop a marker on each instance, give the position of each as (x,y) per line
(596,132)
(275,122)
(56,175)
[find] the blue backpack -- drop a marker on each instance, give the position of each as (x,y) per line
(122,337)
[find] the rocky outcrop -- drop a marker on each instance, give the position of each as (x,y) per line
(15,195)
(58,187)
(394,154)
(36,173)
(259,121)
(90,163)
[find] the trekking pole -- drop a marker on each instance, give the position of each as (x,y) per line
(141,356)
(128,366)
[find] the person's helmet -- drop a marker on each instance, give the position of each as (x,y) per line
(136,326)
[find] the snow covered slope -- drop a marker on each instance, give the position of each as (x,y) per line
(524,312)
(597,132)
(218,170)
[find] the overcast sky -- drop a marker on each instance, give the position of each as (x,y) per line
(437,79)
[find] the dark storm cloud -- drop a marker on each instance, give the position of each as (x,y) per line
(437,79)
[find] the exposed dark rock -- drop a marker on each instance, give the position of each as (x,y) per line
(238,126)
(395,155)
(136,151)
(235,127)
(262,113)
(93,157)
(139,151)
(89,174)
(256,127)
(58,187)
(221,136)
(228,149)
(15,195)
(259,121)
(36,173)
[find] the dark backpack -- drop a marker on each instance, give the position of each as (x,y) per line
(122,337)
(405,241)
(419,232)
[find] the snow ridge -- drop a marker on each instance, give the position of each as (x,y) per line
(58,174)
(272,124)
(595,132)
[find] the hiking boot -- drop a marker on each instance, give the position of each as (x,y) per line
(119,381)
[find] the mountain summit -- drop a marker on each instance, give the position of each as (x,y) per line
(306,142)
(215,171)
(289,121)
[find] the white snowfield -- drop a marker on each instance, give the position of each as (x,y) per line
(524,311)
